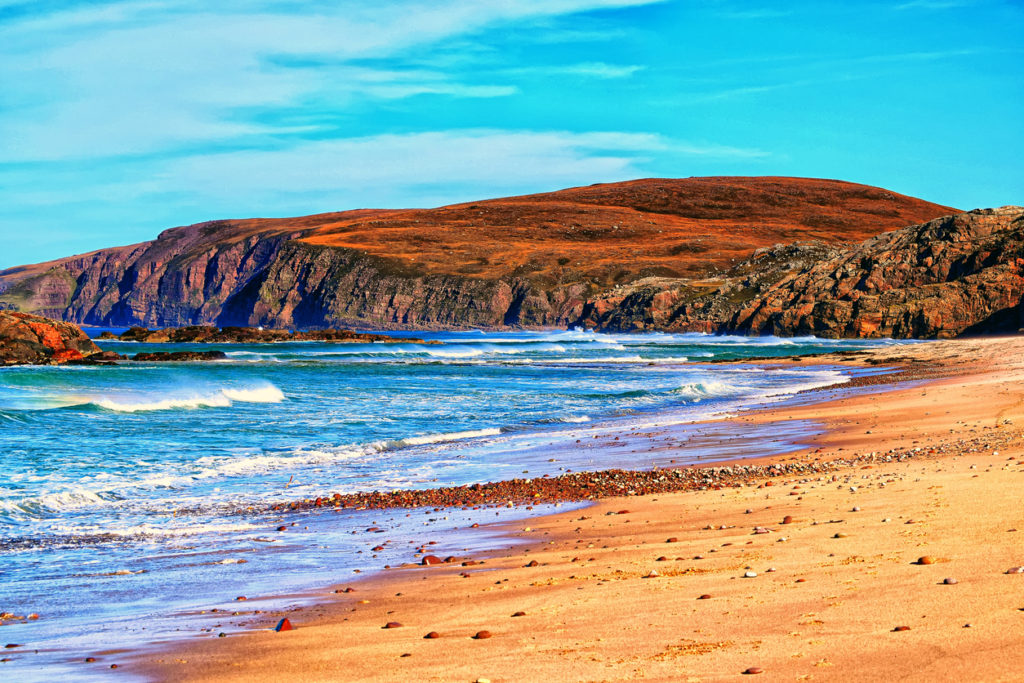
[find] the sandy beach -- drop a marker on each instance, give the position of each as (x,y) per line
(895,562)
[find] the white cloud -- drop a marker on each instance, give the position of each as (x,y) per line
(399,170)
(143,77)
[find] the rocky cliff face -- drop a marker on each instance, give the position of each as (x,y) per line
(648,254)
(957,275)
(33,339)
(962,274)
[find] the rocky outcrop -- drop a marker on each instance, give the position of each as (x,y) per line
(207,334)
(957,275)
(32,339)
(178,356)
(533,261)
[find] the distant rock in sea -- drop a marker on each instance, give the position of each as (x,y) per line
(208,334)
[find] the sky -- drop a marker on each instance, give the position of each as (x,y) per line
(121,119)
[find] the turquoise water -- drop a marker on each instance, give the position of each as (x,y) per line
(121,485)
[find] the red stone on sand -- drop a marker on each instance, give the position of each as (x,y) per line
(432,635)
(902,628)
(704,597)
(392,624)
(519,614)
(754,670)
(430,559)
(282,528)
(482,635)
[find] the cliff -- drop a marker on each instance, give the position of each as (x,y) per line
(537,260)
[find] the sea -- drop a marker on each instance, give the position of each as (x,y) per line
(134,498)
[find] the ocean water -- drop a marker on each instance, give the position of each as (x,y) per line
(134,496)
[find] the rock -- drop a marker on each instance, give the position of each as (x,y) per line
(208,334)
(519,614)
(902,628)
(673,539)
(754,670)
(392,624)
(432,635)
(925,559)
(949,581)
(34,340)
(1015,570)
(788,519)
(705,596)
(482,635)
(750,575)
(178,356)
(430,560)
(531,563)
(284,625)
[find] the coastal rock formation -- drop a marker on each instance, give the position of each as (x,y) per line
(31,339)
(208,334)
(551,259)
(961,274)
(955,275)
(179,356)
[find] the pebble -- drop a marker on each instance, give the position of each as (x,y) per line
(653,574)
(282,528)
(90,660)
(673,539)
(392,624)
(432,635)
(925,559)
(430,559)
(856,508)
(788,519)
(704,597)
(902,628)
(839,535)
(519,614)
(482,635)
(754,670)
(1015,570)
(532,563)
(949,581)
(750,575)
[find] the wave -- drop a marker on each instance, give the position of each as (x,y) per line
(218,398)
(451,436)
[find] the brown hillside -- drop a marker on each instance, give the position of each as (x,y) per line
(618,232)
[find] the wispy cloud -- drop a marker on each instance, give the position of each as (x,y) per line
(138,77)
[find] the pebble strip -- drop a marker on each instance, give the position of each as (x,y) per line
(588,486)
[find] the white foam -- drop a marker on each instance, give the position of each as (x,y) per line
(222,397)
(451,436)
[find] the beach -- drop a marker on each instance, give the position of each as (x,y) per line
(886,551)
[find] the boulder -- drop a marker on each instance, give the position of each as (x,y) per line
(27,339)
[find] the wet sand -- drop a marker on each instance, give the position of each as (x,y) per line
(931,469)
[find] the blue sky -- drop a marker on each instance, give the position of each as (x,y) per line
(120,119)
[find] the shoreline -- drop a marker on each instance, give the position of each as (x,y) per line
(346,630)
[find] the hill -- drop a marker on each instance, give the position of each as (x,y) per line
(535,260)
